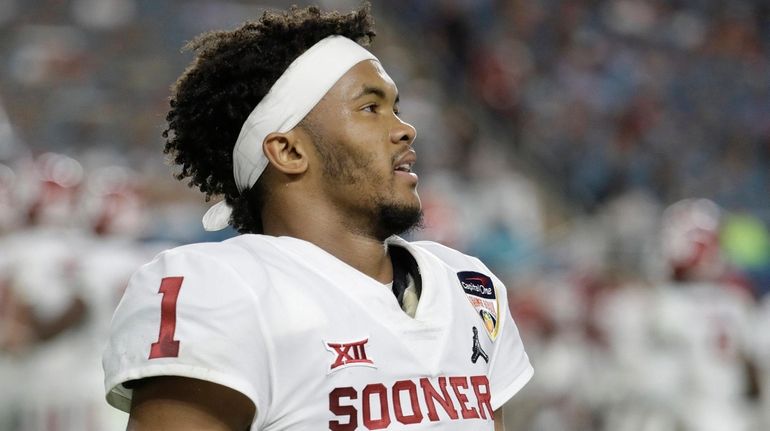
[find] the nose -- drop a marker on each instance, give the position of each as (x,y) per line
(403,132)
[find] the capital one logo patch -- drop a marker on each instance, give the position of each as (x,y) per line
(481,294)
(348,354)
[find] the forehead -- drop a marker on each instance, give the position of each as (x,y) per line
(368,73)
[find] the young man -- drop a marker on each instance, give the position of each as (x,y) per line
(318,317)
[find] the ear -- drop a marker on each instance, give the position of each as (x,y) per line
(286,152)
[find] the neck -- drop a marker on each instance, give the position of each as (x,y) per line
(317,222)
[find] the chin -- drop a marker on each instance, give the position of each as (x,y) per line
(412,200)
(398,218)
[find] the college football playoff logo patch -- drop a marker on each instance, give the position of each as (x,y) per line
(481,293)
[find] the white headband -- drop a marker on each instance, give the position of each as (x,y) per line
(304,83)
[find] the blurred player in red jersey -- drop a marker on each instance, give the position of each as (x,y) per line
(703,317)
(319,316)
(681,343)
(64,272)
(41,298)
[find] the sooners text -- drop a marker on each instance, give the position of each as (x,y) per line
(410,402)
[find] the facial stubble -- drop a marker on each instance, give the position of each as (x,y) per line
(353,168)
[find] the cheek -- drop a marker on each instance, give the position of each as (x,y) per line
(362,147)
(362,157)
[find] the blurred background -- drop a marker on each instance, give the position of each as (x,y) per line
(608,159)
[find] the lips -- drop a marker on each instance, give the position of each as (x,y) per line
(405,162)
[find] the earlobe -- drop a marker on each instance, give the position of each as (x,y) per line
(285,152)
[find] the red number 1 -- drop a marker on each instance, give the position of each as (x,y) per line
(167,346)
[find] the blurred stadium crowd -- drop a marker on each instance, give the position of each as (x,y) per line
(609,159)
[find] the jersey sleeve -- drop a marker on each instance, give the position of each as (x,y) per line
(510,368)
(189,314)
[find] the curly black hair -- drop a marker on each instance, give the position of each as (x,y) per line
(231,73)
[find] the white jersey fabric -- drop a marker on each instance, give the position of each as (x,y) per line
(314,343)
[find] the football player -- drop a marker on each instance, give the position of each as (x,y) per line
(319,316)
(42,310)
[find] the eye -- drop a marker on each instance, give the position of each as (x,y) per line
(371,108)
(397,110)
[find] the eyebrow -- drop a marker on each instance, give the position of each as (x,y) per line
(377,91)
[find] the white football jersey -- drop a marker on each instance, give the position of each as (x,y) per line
(314,343)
